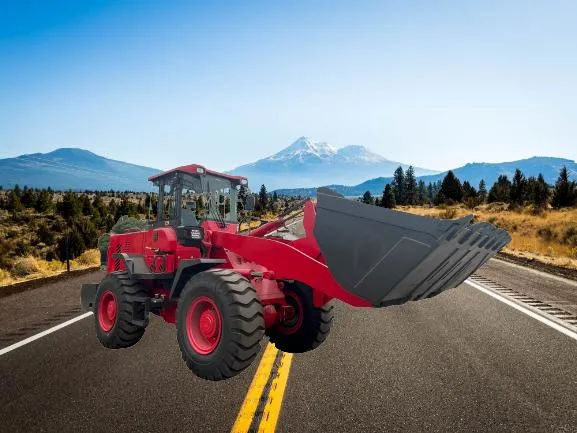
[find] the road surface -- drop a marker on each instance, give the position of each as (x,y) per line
(460,362)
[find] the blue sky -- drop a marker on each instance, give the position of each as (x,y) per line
(432,83)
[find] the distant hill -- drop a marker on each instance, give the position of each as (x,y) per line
(472,172)
(71,168)
(314,163)
(78,169)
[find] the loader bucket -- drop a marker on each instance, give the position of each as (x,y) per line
(388,257)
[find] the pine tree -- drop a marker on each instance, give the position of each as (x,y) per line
(421,193)
(368,198)
(69,207)
(411,192)
(482,191)
(14,204)
(536,191)
(430,192)
(44,234)
(564,194)
(501,190)
(262,197)
(76,245)
(44,201)
(541,192)
(126,208)
(451,187)
(469,191)
(439,198)
(399,185)
(87,208)
(17,191)
(28,197)
(388,199)
(518,187)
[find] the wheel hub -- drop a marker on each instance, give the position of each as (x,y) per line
(208,321)
(107,311)
(293,320)
(203,325)
(111,310)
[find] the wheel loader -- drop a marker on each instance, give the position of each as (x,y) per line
(225,288)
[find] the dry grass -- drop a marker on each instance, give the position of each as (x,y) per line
(29,268)
(253,225)
(549,236)
(89,258)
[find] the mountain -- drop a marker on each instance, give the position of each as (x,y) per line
(472,172)
(77,169)
(314,163)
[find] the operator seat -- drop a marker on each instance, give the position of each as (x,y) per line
(189,215)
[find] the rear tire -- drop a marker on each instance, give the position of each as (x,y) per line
(310,327)
(220,324)
(119,300)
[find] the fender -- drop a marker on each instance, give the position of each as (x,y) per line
(186,269)
(137,269)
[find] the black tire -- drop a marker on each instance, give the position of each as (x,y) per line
(241,323)
(129,297)
(315,323)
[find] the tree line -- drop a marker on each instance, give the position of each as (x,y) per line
(520,190)
(66,226)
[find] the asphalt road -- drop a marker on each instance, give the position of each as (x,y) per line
(462,361)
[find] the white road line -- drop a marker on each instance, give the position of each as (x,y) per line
(542,319)
(44,333)
(540,273)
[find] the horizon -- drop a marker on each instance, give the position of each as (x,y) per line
(193,162)
(435,87)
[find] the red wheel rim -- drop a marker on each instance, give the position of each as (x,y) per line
(203,325)
(107,310)
(293,325)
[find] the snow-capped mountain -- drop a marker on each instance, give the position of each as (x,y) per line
(303,149)
(307,163)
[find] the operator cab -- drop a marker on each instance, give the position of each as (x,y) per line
(191,194)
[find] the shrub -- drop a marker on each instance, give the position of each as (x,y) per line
(24,266)
(89,258)
(448,214)
(546,234)
(569,237)
(535,210)
(497,206)
(471,202)
(4,275)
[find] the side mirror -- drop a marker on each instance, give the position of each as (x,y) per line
(250,202)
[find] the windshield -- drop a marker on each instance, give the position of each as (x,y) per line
(189,200)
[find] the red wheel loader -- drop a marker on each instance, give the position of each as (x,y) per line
(225,289)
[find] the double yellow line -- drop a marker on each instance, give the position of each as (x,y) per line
(261,407)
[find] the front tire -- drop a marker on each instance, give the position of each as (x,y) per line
(310,326)
(220,324)
(119,300)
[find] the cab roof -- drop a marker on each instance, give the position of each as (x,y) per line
(199,170)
